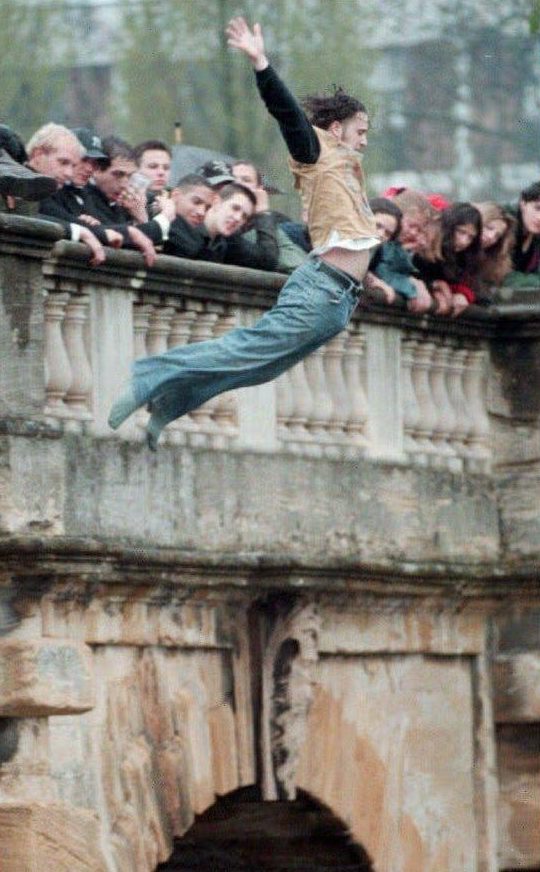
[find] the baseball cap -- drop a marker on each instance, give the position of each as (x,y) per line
(216,172)
(91,142)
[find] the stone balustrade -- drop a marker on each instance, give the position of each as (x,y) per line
(390,387)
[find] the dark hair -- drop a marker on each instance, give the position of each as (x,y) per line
(114,147)
(148,145)
(520,258)
(531,193)
(460,264)
(322,111)
(247,163)
(387,207)
(193,180)
(232,188)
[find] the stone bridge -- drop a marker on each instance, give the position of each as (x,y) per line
(327,584)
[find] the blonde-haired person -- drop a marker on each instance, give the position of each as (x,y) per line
(498,241)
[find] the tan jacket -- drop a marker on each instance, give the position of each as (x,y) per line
(333,192)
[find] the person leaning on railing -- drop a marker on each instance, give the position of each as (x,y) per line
(526,251)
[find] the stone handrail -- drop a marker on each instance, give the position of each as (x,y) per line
(391,387)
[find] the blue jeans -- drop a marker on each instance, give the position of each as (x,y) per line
(312,307)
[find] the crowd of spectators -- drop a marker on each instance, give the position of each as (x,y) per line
(435,255)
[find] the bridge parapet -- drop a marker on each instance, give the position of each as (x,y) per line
(390,387)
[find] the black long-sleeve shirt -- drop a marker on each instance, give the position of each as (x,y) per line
(70,202)
(295,126)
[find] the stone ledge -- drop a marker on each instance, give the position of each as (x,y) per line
(45,677)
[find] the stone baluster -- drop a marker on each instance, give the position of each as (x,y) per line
(474,386)
(445,421)
(159,327)
(58,376)
(179,334)
(203,329)
(354,375)
(302,405)
(79,391)
(427,413)
(224,407)
(141,319)
(333,360)
(321,412)
(411,411)
(284,404)
(462,420)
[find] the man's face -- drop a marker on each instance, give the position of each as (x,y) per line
(84,171)
(156,165)
(228,216)
(530,213)
(58,162)
(354,131)
(246,174)
(114,180)
(193,204)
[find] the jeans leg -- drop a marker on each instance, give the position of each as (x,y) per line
(311,308)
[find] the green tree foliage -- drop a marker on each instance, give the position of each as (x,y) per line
(33,71)
(534,17)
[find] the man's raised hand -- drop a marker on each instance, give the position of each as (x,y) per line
(250,42)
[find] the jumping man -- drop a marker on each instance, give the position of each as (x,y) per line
(318,299)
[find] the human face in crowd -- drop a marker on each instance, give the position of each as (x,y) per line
(192,204)
(156,165)
(464,236)
(84,171)
(413,234)
(246,174)
(492,231)
(229,216)
(114,180)
(354,131)
(530,214)
(58,162)
(386,226)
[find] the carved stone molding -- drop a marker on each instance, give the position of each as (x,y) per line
(289,657)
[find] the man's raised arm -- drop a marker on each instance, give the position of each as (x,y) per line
(295,126)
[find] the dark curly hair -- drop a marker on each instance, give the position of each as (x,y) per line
(322,111)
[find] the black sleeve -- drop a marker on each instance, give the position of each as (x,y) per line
(184,240)
(262,254)
(55,209)
(296,129)
(150,228)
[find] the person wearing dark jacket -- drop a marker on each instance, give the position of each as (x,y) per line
(220,240)
(526,253)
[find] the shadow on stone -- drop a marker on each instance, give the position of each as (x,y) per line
(241,833)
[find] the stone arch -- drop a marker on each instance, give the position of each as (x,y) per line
(241,833)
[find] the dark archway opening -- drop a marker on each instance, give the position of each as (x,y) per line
(241,833)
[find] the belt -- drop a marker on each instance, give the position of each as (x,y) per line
(343,279)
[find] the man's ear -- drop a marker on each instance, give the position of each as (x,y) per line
(336,129)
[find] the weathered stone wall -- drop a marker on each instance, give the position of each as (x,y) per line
(175,626)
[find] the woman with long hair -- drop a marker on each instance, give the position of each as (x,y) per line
(498,240)
(450,266)
(526,253)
